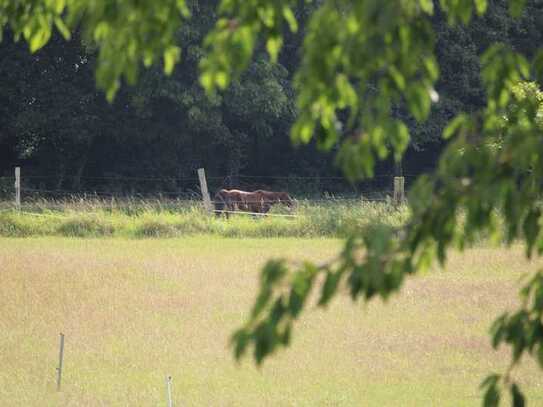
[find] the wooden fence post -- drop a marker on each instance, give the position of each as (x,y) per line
(399,193)
(203,188)
(18,188)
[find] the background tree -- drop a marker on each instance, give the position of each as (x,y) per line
(146,132)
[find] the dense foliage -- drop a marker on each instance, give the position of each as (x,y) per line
(371,78)
(54,123)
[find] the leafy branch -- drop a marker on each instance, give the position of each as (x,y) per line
(474,183)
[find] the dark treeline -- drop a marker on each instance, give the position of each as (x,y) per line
(55,124)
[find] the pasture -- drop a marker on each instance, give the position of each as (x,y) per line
(134,311)
(167,218)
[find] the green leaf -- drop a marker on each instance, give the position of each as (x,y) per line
(397,76)
(284,337)
(62,28)
(101,31)
(59,6)
(302,131)
(497,330)
(399,134)
(492,395)
(455,125)
(273,271)
(432,68)
(131,73)
(418,100)
(295,303)
(221,79)
(540,355)
(206,80)
(516,7)
(481,6)
(301,287)
(148,59)
(262,301)
(330,286)
(266,14)
(427,6)
(111,90)
(240,340)
(537,64)
(291,19)
(523,66)
(347,94)
(458,9)
(490,380)
(182,7)
(273,46)
(517,396)
(172,55)
(40,37)
(277,312)
(265,341)
(531,229)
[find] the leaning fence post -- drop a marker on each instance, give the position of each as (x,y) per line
(399,194)
(18,188)
(60,359)
(203,188)
(169,390)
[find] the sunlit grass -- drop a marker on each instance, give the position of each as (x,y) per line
(169,219)
(135,311)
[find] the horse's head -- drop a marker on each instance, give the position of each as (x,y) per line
(287,200)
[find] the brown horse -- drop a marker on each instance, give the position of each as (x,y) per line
(256,202)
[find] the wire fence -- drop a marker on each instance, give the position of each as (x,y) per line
(114,190)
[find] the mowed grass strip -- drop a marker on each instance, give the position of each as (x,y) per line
(135,311)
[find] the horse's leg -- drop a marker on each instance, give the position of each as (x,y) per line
(255,209)
(232,206)
(251,208)
(266,207)
(219,207)
(225,210)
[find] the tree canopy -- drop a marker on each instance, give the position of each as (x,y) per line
(367,77)
(150,129)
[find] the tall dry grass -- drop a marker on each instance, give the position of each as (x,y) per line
(135,311)
(139,219)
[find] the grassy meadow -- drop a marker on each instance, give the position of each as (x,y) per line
(140,219)
(135,311)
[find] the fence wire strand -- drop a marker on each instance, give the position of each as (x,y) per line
(125,189)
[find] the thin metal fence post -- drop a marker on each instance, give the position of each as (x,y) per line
(169,390)
(60,360)
(18,188)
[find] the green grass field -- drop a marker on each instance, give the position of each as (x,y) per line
(135,311)
(133,219)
